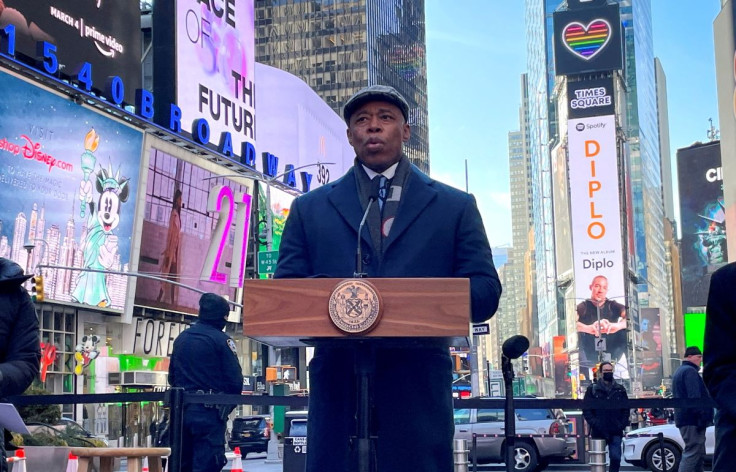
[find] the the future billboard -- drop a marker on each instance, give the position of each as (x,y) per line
(195,232)
(68,184)
(587,40)
(106,34)
(597,243)
(215,63)
(703,219)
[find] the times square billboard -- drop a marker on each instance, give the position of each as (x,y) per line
(587,40)
(205,63)
(702,219)
(68,183)
(195,232)
(106,34)
(597,244)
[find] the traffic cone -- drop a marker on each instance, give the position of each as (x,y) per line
(144,467)
(19,461)
(237,462)
(72,464)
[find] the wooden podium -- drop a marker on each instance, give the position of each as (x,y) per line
(294,312)
(298,312)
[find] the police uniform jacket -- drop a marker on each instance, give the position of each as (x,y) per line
(205,358)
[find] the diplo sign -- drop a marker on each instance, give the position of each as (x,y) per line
(594,203)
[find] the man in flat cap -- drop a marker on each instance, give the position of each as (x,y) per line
(204,361)
(686,383)
(418,227)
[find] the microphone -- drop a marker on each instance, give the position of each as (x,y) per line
(359,274)
(515,346)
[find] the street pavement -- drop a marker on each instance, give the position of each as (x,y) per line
(258,463)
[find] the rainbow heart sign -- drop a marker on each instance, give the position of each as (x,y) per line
(586,41)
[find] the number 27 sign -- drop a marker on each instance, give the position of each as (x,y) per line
(231,207)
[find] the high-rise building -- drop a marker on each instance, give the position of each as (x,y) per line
(724,36)
(646,160)
(640,116)
(340,46)
(542,133)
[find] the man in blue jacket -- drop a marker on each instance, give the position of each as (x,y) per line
(686,383)
(419,228)
(204,361)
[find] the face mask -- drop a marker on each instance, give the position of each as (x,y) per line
(608,376)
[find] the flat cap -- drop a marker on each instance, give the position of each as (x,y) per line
(693,351)
(375,93)
(213,307)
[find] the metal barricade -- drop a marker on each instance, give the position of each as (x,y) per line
(460,452)
(597,455)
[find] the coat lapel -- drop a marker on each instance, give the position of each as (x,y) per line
(414,199)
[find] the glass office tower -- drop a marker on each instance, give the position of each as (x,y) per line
(340,46)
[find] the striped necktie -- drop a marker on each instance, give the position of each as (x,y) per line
(382,191)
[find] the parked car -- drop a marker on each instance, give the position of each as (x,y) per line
(530,453)
(641,447)
(250,434)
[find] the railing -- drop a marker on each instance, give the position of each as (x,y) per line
(177,399)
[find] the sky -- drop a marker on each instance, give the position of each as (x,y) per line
(476,53)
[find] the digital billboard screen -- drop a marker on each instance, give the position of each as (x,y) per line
(195,228)
(703,219)
(106,34)
(215,67)
(597,243)
(587,40)
(650,327)
(590,97)
(68,184)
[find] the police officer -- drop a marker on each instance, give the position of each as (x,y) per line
(204,361)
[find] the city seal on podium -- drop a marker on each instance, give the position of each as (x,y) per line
(355,306)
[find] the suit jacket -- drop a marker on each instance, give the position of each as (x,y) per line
(719,357)
(437,232)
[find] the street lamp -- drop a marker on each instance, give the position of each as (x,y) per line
(268,181)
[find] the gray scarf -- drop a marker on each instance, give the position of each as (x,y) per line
(380,221)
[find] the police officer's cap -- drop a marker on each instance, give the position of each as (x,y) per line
(213,307)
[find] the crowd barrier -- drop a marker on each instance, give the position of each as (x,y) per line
(177,399)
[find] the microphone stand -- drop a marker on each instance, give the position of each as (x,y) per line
(509,415)
(364,368)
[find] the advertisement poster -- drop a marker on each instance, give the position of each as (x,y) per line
(68,183)
(215,67)
(651,354)
(280,205)
(597,244)
(91,31)
(703,219)
(179,234)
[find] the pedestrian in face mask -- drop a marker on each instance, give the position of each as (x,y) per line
(607,424)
